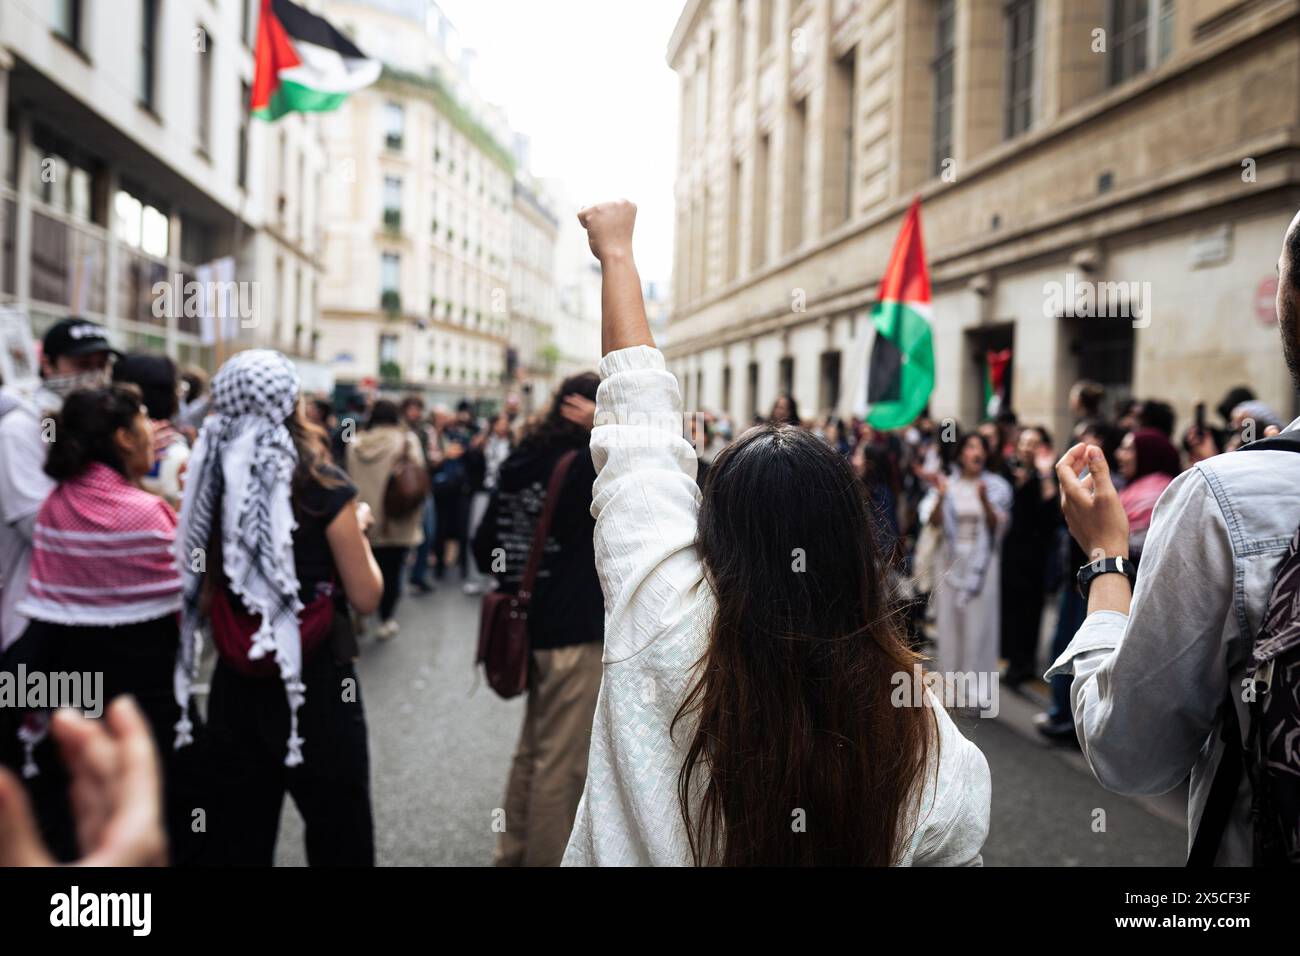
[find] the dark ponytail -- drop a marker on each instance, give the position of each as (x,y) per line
(85,427)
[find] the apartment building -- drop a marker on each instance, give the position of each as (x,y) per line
(1136,154)
(533,298)
(418,199)
(130,160)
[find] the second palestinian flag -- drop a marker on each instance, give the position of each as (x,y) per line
(304,65)
(901,374)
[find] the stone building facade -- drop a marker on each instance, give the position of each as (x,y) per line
(1138,152)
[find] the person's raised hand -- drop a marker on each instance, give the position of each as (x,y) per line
(1091,504)
(609,228)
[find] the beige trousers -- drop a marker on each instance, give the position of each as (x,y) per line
(550,763)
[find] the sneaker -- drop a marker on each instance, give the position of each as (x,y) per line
(387,630)
(472,587)
(422,587)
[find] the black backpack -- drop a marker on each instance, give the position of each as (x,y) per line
(1271,754)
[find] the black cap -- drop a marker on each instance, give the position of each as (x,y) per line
(73,336)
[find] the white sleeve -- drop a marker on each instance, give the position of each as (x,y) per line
(954,823)
(24,486)
(645,501)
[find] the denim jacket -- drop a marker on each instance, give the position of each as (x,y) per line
(1149,687)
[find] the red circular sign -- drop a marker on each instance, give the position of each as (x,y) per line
(1266,300)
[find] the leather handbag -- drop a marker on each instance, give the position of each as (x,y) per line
(503,645)
(407,486)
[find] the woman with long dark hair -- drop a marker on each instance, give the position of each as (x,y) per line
(759,705)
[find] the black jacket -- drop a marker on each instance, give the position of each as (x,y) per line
(568,606)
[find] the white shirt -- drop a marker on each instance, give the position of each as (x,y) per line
(24,487)
(658,608)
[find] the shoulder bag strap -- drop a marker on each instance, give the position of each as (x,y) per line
(1223,794)
(553,488)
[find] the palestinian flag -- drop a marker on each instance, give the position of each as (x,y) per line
(900,377)
(995,381)
(304,65)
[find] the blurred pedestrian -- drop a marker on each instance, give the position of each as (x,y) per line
(1027,551)
(972,508)
(75,354)
(272,548)
(1149,462)
(103,599)
(155,376)
(373,460)
(566,619)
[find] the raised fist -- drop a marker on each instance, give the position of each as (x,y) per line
(609,228)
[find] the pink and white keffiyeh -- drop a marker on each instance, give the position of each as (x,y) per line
(102,554)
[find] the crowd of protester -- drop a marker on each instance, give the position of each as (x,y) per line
(144,506)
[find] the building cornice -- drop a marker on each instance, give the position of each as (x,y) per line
(684,29)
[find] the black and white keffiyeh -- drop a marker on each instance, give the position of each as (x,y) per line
(243,463)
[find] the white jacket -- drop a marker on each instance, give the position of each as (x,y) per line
(658,608)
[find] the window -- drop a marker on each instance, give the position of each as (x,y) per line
(247,22)
(148,47)
(388,349)
(140,225)
(1128,39)
(795,167)
(839,140)
(766,22)
(390,271)
(203,114)
(394,121)
(67,20)
(942,73)
(786,375)
(733,224)
(741,42)
(1140,35)
(392,202)
(751,391)
(830,383)
(245,105)
(758,238)
(1020,66)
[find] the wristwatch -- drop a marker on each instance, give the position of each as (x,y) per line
(1093,569)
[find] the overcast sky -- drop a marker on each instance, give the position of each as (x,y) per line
(587,81)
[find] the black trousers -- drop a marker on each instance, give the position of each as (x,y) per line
(248,725)
(453,525)
(392,562)
(1022,619)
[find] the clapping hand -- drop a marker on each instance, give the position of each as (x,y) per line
(116,793)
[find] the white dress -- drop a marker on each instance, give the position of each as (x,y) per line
(657,613)
(968,625)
